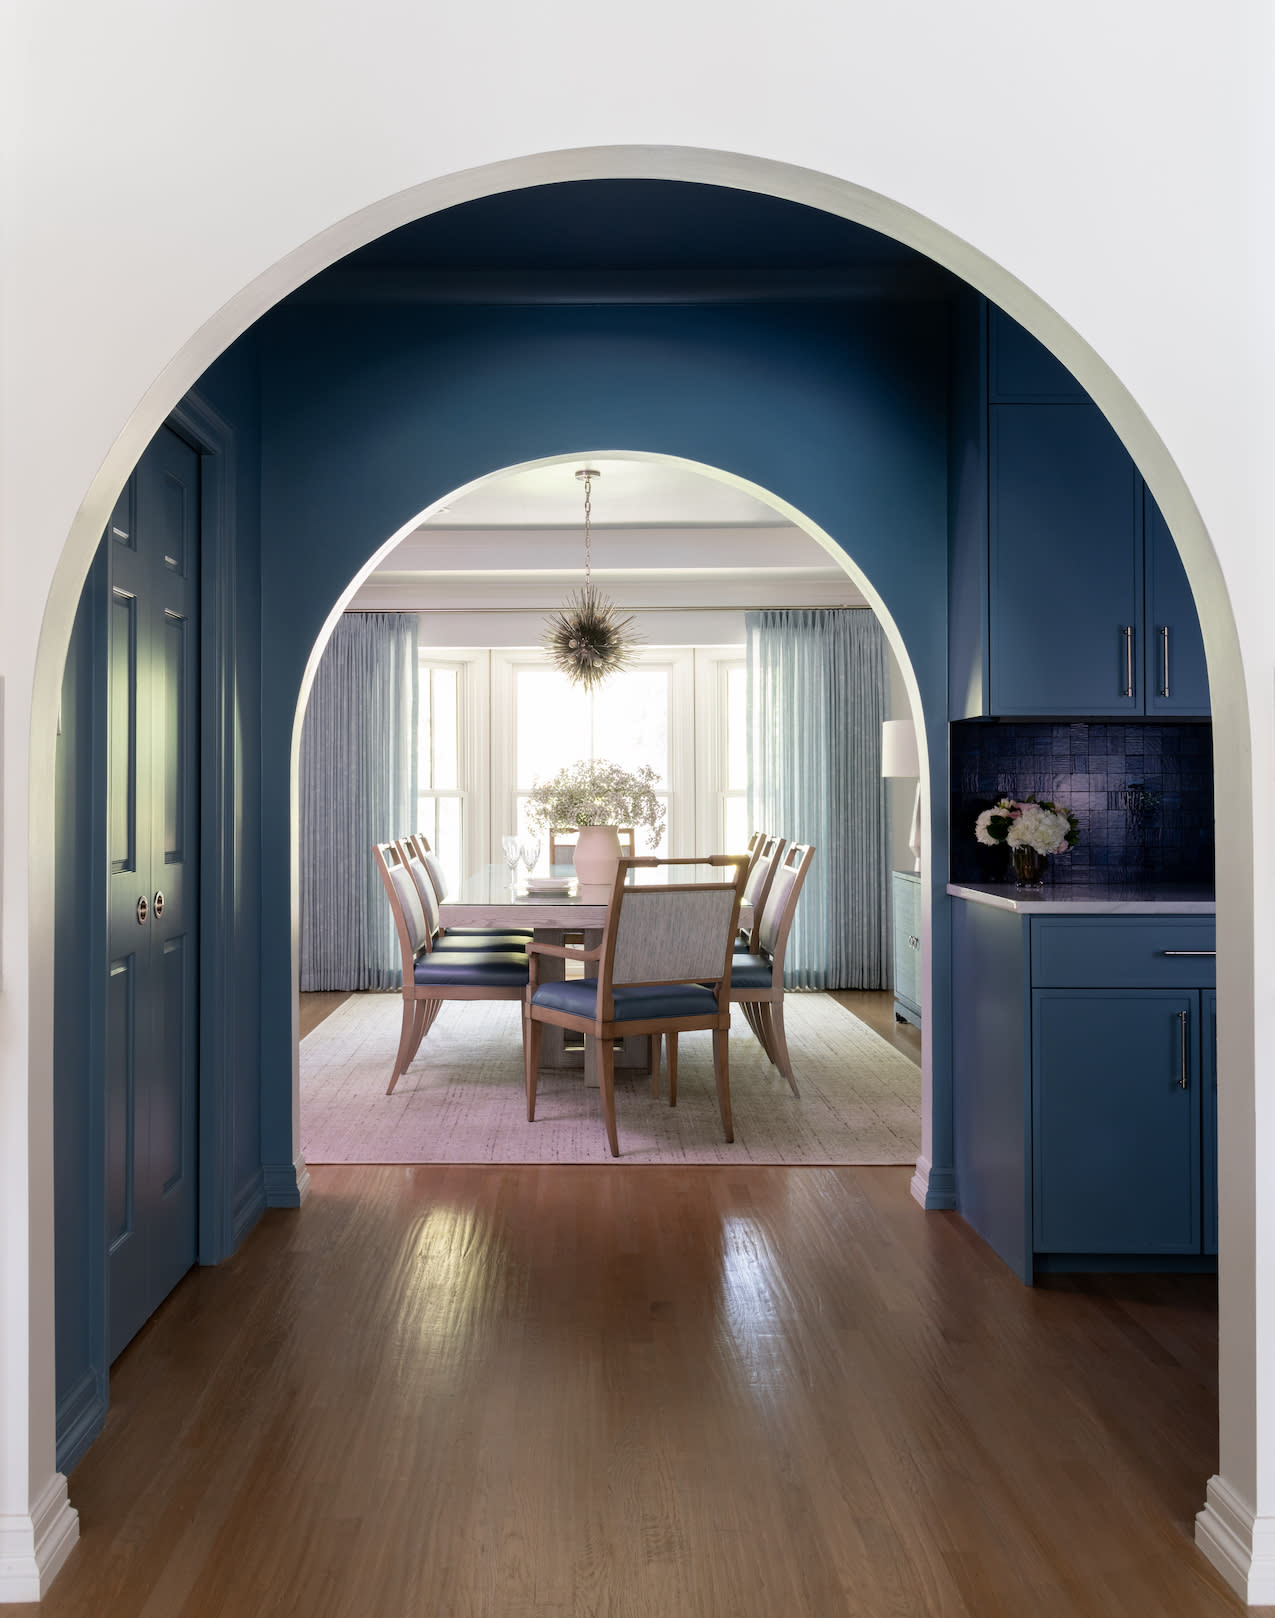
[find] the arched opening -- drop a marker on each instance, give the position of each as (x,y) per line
(1219,631)
(797,525)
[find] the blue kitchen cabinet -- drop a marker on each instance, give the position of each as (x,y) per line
(1067,597)
(1116,1121)
(1065,564)
(1175,678)
(1084,1087)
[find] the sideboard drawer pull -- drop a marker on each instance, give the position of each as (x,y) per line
(1209,952)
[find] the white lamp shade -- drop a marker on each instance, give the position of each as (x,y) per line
(898,748)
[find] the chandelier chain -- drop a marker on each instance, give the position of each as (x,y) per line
(588,522)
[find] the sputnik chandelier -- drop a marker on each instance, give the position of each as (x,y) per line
(585,639)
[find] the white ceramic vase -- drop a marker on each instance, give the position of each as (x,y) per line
(597,855)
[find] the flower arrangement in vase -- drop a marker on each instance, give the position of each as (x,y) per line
(596,796)
(1031,831)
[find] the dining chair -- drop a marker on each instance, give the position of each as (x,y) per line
(562,842)
(437,936)
(757,978)
(761,873)
(663,967)
(434,867)
(432,976)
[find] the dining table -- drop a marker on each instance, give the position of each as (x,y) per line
(495,897)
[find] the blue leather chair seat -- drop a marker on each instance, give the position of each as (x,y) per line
(751,972)
(449,942)
(521,933)
(505,969)
(579,996)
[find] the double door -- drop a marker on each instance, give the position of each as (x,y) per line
(152,885)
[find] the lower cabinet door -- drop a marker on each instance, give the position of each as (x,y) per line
(1208,1097)
(1116,1121)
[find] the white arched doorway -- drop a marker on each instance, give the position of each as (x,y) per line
(26,1395)
(783,511)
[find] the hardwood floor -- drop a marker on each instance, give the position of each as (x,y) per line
(561,1391)
(316,1006)
(876,1008)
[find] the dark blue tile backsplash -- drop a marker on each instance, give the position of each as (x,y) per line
(1143,794)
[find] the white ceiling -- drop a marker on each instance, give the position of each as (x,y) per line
(667,540)
(629,494)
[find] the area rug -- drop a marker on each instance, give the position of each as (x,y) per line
(462,1099)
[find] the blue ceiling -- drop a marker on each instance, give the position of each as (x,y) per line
(625,241)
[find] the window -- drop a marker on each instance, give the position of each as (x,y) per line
(542,722)
(452,759)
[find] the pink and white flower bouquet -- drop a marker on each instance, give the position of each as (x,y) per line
(1048,828)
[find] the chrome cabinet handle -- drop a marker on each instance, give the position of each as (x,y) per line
(1127,632)
(1182,1073)
(1164,660)
(1172,952)
(143,910)
(159,905)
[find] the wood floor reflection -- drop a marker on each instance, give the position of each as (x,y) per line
(573,1391)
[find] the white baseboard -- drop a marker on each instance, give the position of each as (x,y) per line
(1240,1545)
(33,1548)
(930,1188)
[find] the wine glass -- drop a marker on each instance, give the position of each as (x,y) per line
(513,853)
(530,853)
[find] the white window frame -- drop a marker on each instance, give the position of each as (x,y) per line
(473,731)
(681,785)
(712,668)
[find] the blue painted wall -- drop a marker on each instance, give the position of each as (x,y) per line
(371,413)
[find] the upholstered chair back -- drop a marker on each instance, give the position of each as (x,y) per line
(672,936)
(424,888)
(781,901)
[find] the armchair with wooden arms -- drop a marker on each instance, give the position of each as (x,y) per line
(663,967)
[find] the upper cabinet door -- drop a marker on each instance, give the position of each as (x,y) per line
(1175,678)
(1065,607)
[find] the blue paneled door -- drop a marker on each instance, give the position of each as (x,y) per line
(1116,1107)
(152,884)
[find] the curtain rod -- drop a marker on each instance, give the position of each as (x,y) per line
(540,612)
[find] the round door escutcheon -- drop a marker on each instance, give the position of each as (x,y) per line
(159,905)
(142,911)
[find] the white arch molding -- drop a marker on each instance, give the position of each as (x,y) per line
(1237,1539)
(578,457)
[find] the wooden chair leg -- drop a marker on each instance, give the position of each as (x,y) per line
(531,1061)
(672,1069)
(424,1022)
(779,1044)
(411,1012)
(752,1011)
(721,1072)
(655,1063)
(606,1073)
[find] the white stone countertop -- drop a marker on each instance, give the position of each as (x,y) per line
(1081,899)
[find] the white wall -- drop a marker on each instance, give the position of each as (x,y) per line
(1102,170)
